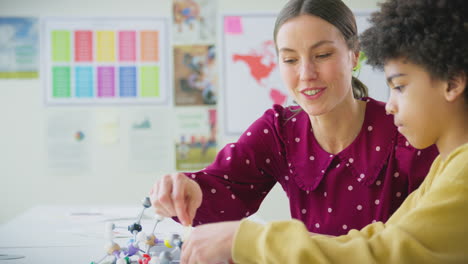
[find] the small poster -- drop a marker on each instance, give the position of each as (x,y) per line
(19,48)
(194,21)
(150,141)
(106,60)
(195,143)
(195,75)
(68,143)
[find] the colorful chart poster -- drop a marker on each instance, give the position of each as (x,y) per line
(252,82)
(195,75)
(194,21)
(19,48)
(195,145)
(106,60)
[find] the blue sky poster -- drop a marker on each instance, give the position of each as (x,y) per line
(19,48)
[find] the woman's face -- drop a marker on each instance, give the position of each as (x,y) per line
(315,63)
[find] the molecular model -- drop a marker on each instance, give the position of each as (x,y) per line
(142,248)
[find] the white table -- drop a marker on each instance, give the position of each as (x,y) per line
(62,234)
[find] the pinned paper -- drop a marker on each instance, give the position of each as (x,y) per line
(108,127)
(233,25)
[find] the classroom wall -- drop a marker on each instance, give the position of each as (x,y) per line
(24,180)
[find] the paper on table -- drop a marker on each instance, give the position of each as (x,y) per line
(62,226)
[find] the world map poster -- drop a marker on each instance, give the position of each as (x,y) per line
(251,80)
(252,83)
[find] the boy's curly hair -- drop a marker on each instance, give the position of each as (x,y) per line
(429,33)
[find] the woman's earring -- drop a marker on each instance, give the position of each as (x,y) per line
(357,68)
(356,71)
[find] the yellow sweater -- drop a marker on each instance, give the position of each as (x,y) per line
(431,226)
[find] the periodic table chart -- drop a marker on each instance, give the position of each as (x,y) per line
(106,60)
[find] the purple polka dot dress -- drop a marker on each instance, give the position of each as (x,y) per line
(330,193)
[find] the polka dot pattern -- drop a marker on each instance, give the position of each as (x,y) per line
(308,174)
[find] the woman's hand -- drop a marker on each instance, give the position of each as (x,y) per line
(209,244)
(176,195)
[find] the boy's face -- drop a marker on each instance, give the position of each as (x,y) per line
(416,101)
